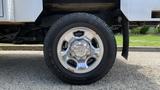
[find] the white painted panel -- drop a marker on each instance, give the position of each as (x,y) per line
(1,8)
(140,10)
(20,10)
(8,11)
(27,10)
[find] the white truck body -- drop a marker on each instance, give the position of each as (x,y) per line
(29,10)
(20,10)
(140,10)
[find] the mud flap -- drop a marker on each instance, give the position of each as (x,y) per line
(125,32)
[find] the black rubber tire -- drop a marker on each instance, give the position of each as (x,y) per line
(84,20)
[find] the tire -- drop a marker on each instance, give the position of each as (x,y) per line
(79,20)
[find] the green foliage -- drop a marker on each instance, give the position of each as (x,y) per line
(135,31)
(153,30)
(158,30)
(144,30)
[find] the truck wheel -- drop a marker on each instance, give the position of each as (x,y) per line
(80,48)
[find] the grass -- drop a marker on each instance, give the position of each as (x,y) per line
(140,40)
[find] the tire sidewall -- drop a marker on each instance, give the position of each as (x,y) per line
(66,23)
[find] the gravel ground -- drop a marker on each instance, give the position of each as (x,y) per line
(25,70)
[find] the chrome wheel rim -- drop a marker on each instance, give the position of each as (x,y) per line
(80,50)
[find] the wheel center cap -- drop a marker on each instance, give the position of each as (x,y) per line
(80,48)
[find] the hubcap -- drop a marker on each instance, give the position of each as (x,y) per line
(80,50)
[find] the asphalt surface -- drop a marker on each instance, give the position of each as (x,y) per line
(25,70)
